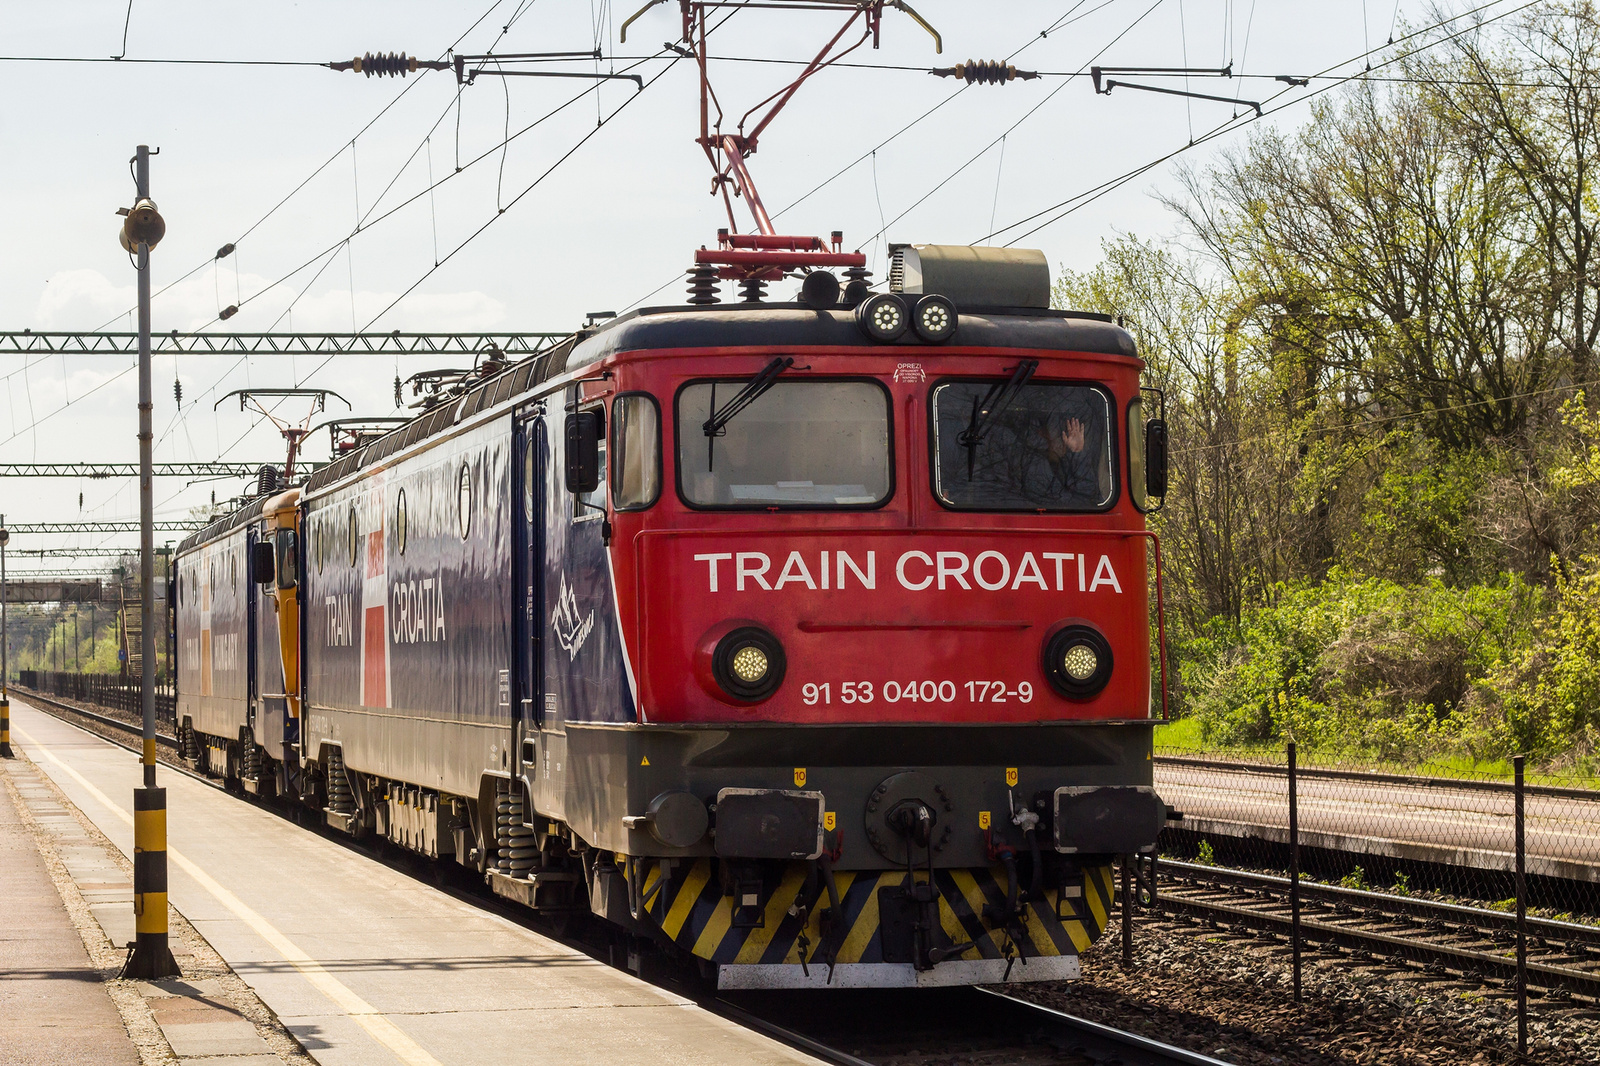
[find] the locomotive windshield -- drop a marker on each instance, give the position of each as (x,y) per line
(798,444)
(1038,447)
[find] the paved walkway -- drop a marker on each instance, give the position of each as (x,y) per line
(364,965)
(54,1006)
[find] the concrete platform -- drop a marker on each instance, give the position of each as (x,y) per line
(364,965)
(1426,823)
(55,1009)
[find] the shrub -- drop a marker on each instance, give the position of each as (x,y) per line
(1545,702)
(1364,665)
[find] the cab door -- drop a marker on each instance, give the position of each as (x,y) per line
(527,704)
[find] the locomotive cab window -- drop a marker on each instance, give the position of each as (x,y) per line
(1015,446)
(288,551)
(801,444)
(635,452)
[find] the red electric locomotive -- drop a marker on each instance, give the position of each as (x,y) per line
(806,639)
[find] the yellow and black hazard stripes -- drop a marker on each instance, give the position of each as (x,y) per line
(798,920)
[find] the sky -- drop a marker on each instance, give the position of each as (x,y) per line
(343,197)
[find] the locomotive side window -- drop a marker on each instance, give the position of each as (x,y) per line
(288,559)
(355,538)
(1037,447)
(635,452)
(530,470)
(591,506)
(464,500)
(1136,479)
(803,444)
(400,522)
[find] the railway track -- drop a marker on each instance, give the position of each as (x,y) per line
(879,1024)
(1475,943)
(944,1025)
(122,724)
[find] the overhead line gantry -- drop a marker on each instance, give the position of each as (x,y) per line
(109,470)
(36,342)
(185,525)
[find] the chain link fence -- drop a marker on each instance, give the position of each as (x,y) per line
(1286,833)
(110,691)
(1451,837)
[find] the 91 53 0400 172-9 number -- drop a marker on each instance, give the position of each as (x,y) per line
(915,692)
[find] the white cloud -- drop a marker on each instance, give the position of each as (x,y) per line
(81,299)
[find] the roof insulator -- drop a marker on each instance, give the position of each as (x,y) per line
(985,71)
(388,64)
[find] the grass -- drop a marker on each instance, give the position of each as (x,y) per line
(1183,736)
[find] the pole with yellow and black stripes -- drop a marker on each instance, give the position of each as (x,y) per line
(151,958)
(5,647)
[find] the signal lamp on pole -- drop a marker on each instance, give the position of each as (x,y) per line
(151,958)
(5,649)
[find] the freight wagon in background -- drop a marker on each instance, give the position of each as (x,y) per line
(808,640)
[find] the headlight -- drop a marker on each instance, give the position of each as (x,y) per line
(748,664)
(934,319)
(1080,662)
(882,317)
(1077,661)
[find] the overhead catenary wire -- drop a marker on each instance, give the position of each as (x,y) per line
(361,221)
(275,208)
(486,154)
(500,210)
(168,62)
(127,20)
(231,247)
(1012,128)
(371,221)
(1066,19)
(1079,200)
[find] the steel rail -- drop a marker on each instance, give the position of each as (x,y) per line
(1409,906)
(1469,962)
(911,1018)
(782,1034)
(1373,777)
(1103,1041)
(1097,1041)
(34,698)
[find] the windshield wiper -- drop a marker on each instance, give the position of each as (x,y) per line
(987,411)
(717,424)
